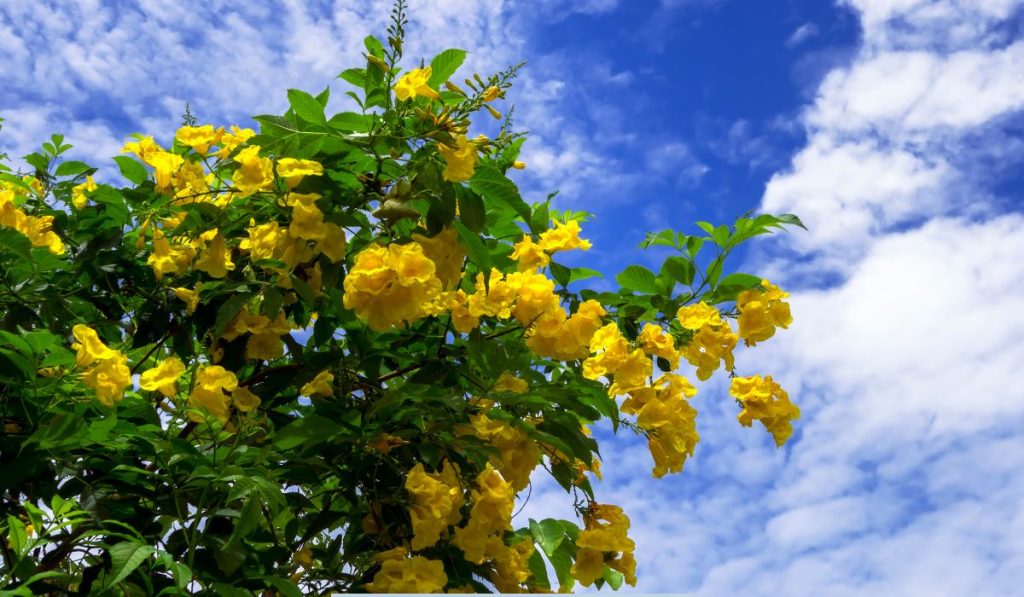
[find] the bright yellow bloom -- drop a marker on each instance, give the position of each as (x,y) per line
(109,378)
(605,539)
(436,499)
(530,255)
(694,317)
(216,258)
(493,500)
(511,566)
(507,382)
(307,219)
(143,148)
(292,170)
(761,311)
(254,173)
(491,94)
(459,160)
(229,141)
(408,575)
(710,346)
(199,138)
(447,253)
(78,198)
(672,431)
(89,346)
(319,385)
(333,243)
(414,83)
(563,237)
(265,241)
(517,454)
(165,166)
(766,401)
(391,285)
(191,297)
(169,259)
(656,342)
(208,391)
(164,377)
(36,228)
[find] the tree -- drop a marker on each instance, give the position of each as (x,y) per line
(328,356)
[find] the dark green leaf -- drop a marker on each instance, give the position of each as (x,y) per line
(494,186)
(680,268)
(478,253)
(471,209)
(125,557)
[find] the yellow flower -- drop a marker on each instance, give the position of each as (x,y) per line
(414,83)
(89,346)
(191,297)
(265,346)
(319,385)
(409,575)
(530,255)
(460,160)
(447,253)
(163,377)
(208,392)
(216,258)
(292,170)
(254,173)
(603,541)
(761,311)
(333,243)
(109,378)
(78,198)
(167,259)
(165,166)
(694,317)
(493,500)
(244,400)
(491,94)
(656,342)
(307,219)
(710,346)
(143,148)
(229,141)
(436,499)
(264,242)
(391,285)
(518,165)
(507,382)
(563,237)
(766,401)
(199,138)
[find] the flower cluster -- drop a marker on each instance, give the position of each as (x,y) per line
(436,500)
(764,400)
(401,574)
(38,229)
(604,541)
(107,369)
(391,285)
(761,311)
(713,342)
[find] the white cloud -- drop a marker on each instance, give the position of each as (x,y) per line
(801,34)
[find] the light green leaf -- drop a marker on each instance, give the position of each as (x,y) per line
(638,278)
(131,169)
(306,107)
(72,168)
(495,186)
(444,65)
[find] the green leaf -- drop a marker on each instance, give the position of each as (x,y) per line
(560,273)
(283,586)
(306,107)
(680,268)
(614,578)
(350,121)
(355,76)
(495,186)
(538,570)
(444,65)
(548,533)
(72,168)
(540,220)
(228,310)
(562,561)
(582,273)
(124,559)
(15,243)
(131,169)
(791,220)
(478,253)
(373,46)
(471,209)
(638,278)
(113,202)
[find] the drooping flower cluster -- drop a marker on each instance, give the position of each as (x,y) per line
(764,400)
(436,499)
(391,285)
(401,574)
(604,541)
(265,334)
(107,369)
(713,342)
(216,390)
(480,538)
(761,311)
(38,229)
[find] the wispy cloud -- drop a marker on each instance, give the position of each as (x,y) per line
(801,34)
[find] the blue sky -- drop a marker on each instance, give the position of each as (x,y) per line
(892,127)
